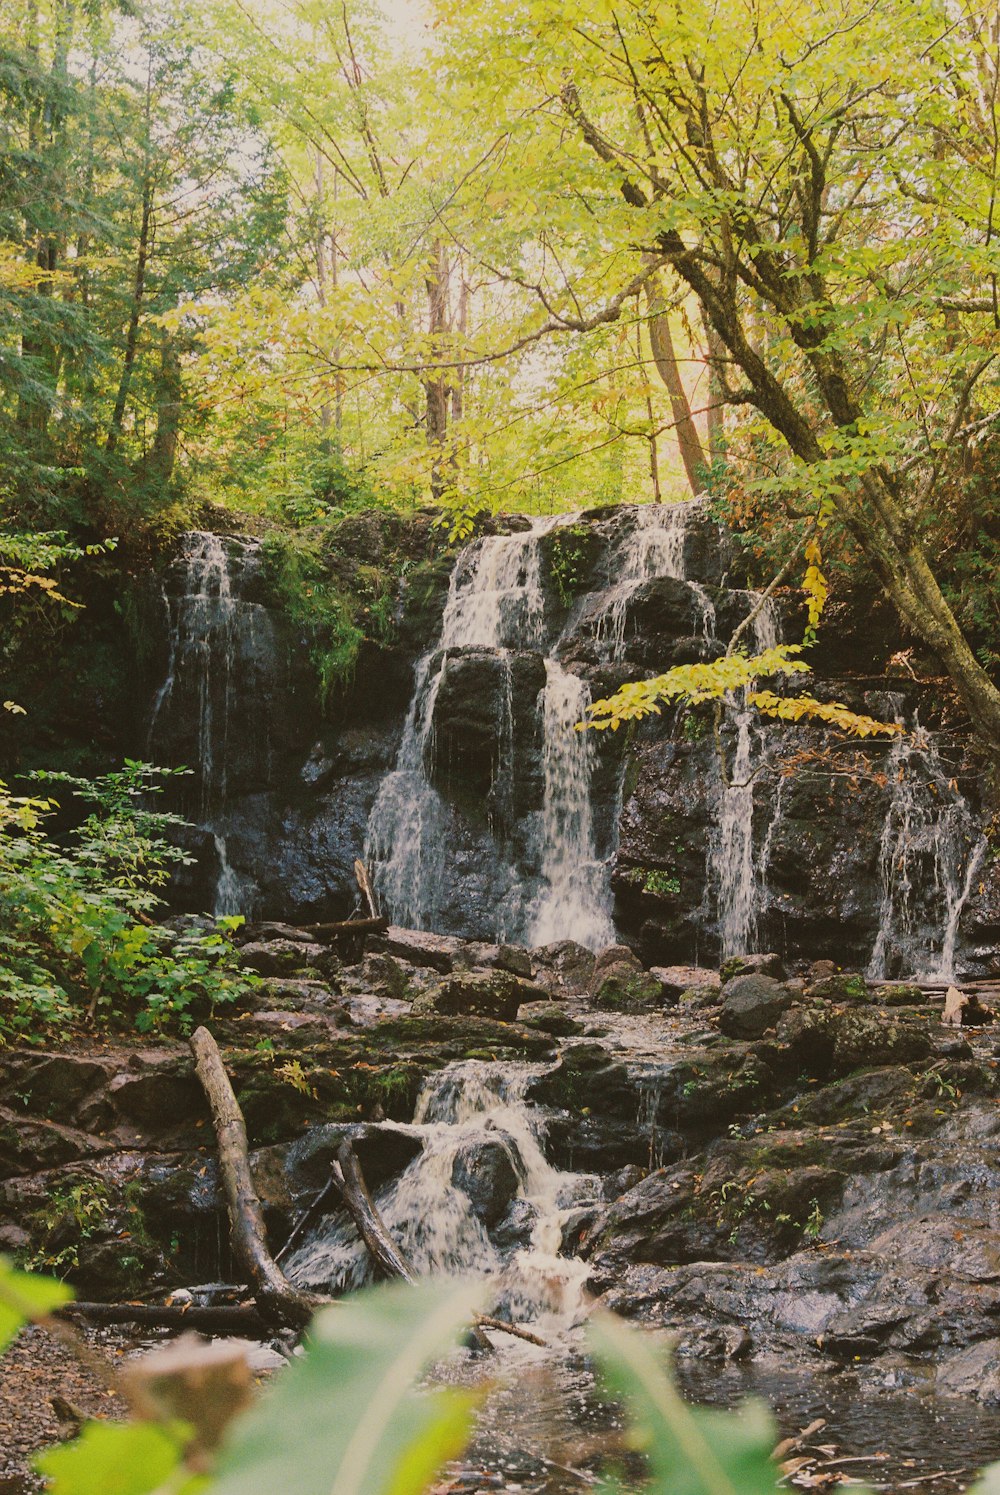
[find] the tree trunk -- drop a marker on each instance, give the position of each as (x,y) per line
(662,344)
(278,1300)
(132,333)
(168,412)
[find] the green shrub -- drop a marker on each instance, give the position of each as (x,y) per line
(77,936)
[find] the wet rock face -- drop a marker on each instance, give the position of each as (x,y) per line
(751,1004)
(291,800)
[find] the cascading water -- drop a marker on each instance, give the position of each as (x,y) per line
(222,651)
(495,599)
(575,900)
(654,547)
(736,871)
(930,854)
(464,1108)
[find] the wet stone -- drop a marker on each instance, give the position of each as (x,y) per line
(751,1004)
(487,1174)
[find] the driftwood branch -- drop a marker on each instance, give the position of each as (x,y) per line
(277,1299)
(364,883)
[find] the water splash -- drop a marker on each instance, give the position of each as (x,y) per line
(432,1219)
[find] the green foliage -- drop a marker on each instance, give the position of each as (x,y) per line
(363,1358)
(654,880)
(570,554)
(688,1451)
(76,913)
(25,1296)
(695,683)
(114,1458)
(313,600)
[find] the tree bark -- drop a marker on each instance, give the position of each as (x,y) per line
(662,344)
(277,1299)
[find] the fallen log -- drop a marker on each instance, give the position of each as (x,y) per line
(278,1300)
(346,927)
(241,1319)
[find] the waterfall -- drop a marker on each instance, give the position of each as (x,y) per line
(463,1107)
(930,852)
(575,899)
(221,652)
(495,600)
(653,547)
(735,869)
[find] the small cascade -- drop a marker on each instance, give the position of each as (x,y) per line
(221,663)
(736,869)
(466,1106)
(575,899)
(654,547)
(232,895)
(931,850)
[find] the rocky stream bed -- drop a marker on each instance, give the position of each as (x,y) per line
(795,1172)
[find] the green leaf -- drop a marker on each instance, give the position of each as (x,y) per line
(25,1296)
(113,1458)
(690,1451)
(988,1482)
(345,1419)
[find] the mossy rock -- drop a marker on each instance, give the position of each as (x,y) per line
(622,989)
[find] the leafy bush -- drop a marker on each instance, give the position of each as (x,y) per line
(77,936)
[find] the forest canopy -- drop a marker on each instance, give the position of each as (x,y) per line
(297,258)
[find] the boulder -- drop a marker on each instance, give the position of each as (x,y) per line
(284,957)
(496,994)
(418,947)
(621,983)
(972,1372)
(384,974)
(565,967)
(701,996)
(863,1039)
(751,1004)
(752,965)
(626,988)
(613,956)
(486,1172)
(842,986)
(548,1017)
(675,980)
(514,958)
(383,1150)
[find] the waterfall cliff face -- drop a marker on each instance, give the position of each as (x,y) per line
(215,709)
(483,811)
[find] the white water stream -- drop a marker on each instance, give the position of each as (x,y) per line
(931,851)
(468,1105)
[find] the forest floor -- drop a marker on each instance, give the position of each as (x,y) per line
(42,1381)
